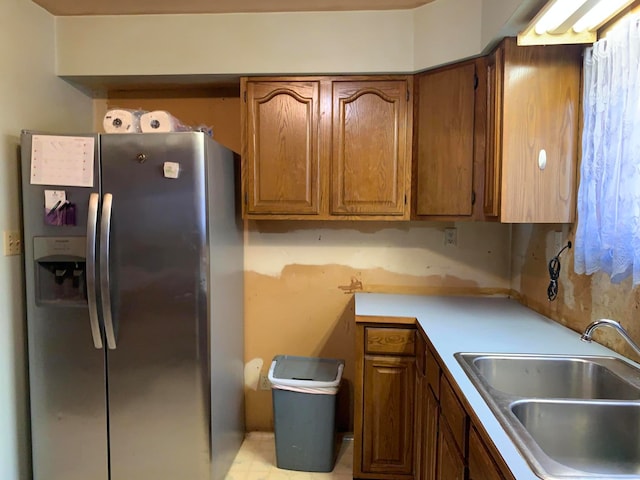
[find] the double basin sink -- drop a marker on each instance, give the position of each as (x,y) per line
(570,417)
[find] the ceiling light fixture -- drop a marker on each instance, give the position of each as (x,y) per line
(558,12)
(570,21)
(599,14)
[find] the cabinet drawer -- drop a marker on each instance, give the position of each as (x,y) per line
(454,414)
(396,341)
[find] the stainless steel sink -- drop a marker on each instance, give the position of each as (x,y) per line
(570,416)
(555,377)
(599,438)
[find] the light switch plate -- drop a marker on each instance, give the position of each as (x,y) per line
(12,242)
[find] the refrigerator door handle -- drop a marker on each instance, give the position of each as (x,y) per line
(105,291)
(92,225)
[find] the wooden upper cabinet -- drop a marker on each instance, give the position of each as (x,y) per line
(327,147)
(493,165)
(445,111)
(370,147)
(282,148)
(384,401)
(532,133)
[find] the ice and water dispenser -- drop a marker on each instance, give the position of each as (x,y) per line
(60,270)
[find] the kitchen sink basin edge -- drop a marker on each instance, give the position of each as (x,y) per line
(569,416)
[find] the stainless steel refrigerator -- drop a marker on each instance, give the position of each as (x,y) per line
(134,299)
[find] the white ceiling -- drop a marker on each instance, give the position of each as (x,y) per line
(136,7)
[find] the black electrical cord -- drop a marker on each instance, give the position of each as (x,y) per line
(554,273)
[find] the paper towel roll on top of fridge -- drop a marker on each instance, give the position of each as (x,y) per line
(161,121)
(121,121)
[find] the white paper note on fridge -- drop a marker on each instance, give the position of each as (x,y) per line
(61,160)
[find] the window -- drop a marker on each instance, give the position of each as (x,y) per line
(608,232)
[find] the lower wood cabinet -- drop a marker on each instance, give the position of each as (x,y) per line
(427,416)
(481,463)
(388,422)
(384,412)
(451,464)
(429,440)
(409,420)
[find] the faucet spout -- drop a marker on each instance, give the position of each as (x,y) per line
(606,322)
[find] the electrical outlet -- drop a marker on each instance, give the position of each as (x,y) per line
(264,383)
(450,237)
(12,243)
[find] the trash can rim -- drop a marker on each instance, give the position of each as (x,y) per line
(282,383)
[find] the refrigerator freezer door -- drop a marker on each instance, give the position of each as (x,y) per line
(66,372)
(159,400)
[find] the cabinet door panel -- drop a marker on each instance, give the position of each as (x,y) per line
(540,112)
(389,390)
(456,417)
(532,133)
(445,141)
(282,168)
(450,464)
(481,465)
(370,147)
(429,446)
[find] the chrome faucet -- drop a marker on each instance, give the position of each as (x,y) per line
(605,322)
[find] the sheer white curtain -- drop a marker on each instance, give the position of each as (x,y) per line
(608,233)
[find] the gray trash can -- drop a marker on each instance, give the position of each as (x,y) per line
(304,404)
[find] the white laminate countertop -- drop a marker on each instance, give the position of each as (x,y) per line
(483,325)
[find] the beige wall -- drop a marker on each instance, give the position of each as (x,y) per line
(502,18)
(299,277)
(31,97)
(581,298)
(282,43)
(248,43)
(446,31)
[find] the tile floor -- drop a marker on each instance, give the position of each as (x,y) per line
(256,460)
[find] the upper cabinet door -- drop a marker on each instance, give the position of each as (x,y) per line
(370,147)
(540,133)
(493,165)
(445,141)
(532,142)
(281,163)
